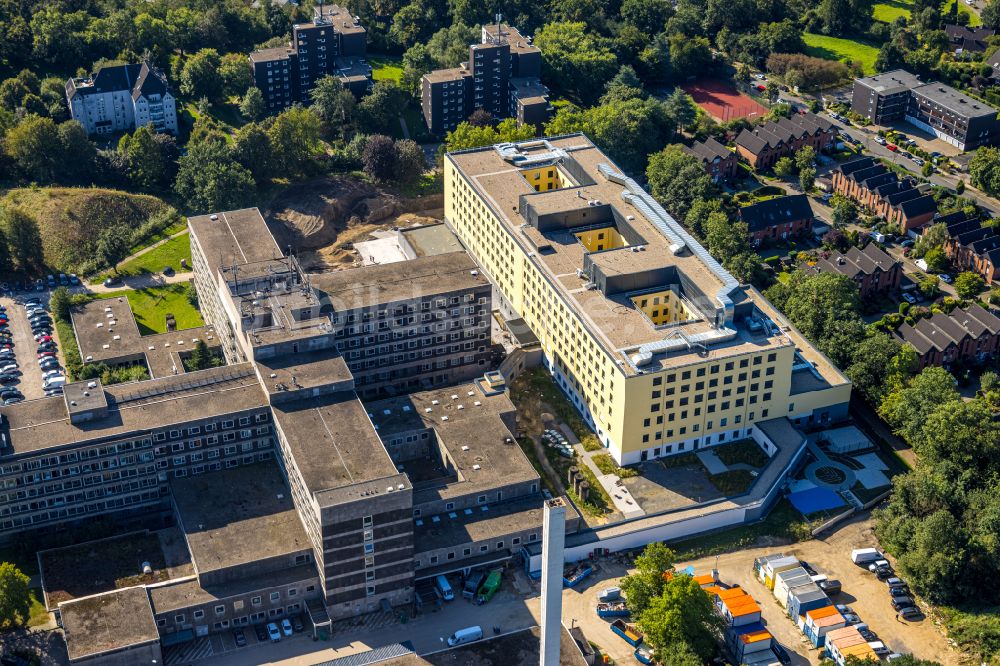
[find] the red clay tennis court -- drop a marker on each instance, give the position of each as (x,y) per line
(722,101)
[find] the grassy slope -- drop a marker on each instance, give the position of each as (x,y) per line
(836,48)
(70,218)
(154,261)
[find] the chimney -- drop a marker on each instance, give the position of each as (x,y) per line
(553,543)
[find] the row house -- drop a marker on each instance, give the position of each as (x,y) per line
(718,161)
(778,219)
(967,334)
(765,144)
(875,188)
(971,246)
(874,271)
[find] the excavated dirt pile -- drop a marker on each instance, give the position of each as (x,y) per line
(322,219)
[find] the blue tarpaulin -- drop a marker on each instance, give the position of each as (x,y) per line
(815,499)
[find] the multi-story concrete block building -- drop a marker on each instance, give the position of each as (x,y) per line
(334,44)
(659,347)
(291,495)
(950,115)
(501,78)
(121,98)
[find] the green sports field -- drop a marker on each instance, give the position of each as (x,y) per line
(836,48)
(888,11)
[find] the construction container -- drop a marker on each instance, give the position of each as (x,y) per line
(786,580)
(774,567)
(490,587)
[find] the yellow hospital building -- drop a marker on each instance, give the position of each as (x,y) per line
(657,345)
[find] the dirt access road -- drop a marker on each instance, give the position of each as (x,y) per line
(830,555)
(322,219)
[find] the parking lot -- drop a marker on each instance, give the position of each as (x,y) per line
(25,350)
(862,591)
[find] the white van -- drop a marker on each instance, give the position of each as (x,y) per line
(467,635)
(55,382)
(444,588)
(862,556)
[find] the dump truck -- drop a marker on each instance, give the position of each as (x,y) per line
(628,632)
(489,588)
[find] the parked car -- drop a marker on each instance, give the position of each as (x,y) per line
(781,653)
(945,278)
(13,401)
(867,634)
(851,618)
(260,632)
(880,141)
(286,627)
(8,393)
(911,613)
(899,592)
(899,603)
(297,624)
(884,574)
(240,638)
(112,281)
(808,567)
(273,633)
(892,147)
(910,298)
(168,271)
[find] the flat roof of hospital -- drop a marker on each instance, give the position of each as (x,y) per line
(233,237)
(612,320)
(237,516)
(155,404)
(111,621)
(334,445)
(473,428)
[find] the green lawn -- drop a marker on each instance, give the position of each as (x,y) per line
(386,68)
(154,261)
(836,48)
(38,614)
(150,307)
(890,10)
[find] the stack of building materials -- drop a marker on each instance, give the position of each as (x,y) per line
(820,622)
(773,567)
(786,580)
(848,642)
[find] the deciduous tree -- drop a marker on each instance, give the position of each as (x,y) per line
(15,596)
(677,180)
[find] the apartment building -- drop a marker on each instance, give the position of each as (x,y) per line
(778,219)
(765,144)
(874,271)
(121,98)
(971,246)
(969,334)
(718,161)
(950,115)
(660,349)
(501,77)
(875,188)
(334,44)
